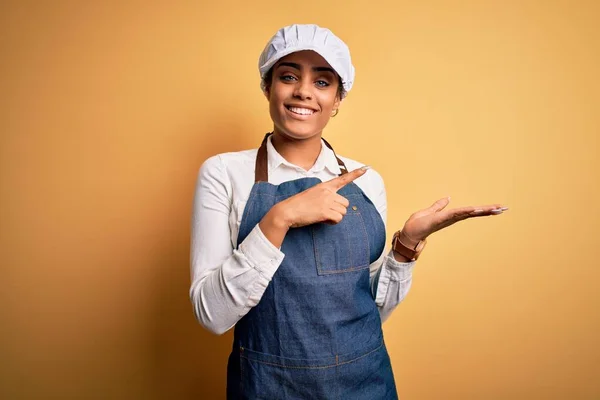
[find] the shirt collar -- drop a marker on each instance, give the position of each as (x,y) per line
(326,159)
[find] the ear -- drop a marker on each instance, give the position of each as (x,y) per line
(337,102)
(267,93)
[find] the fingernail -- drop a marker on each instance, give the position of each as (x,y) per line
(366,167)
(504,208)
(497,211)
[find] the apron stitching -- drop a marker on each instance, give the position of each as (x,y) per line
(309,367)
(367,236)
(352,266)
(316,250)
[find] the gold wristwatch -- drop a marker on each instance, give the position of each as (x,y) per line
(400,248)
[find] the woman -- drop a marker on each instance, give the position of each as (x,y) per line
(288,241)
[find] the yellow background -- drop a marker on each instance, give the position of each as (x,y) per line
(108,110)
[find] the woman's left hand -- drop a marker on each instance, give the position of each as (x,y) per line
(423,223)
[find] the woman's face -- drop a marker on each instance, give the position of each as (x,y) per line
(303,94)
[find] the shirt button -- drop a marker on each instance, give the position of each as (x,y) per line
(354,208)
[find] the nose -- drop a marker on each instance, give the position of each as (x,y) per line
(303,90)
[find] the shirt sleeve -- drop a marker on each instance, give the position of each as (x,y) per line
(390,279)
(225,282)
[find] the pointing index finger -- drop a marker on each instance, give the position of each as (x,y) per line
(341,181)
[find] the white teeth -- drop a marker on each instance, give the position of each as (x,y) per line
(301,111)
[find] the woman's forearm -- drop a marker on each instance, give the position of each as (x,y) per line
(274,225)
(224,292)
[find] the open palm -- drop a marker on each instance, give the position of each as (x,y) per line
(423,223)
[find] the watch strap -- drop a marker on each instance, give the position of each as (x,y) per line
(411,253)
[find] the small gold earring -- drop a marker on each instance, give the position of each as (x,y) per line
(336,111)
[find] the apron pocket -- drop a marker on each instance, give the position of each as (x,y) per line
(342,247)
(265,376)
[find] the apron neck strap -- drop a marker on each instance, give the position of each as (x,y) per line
(261,172)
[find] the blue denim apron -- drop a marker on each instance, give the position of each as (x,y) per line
(316,332)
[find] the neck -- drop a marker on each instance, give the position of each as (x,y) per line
(300,152)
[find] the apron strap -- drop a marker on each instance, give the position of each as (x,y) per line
(261,172)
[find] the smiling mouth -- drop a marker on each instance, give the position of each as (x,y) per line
(300,111)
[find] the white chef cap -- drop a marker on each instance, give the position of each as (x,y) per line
(295,38)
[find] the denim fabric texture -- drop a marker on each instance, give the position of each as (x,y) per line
(316,332)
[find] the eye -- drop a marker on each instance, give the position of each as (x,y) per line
(322,83)
(287,78)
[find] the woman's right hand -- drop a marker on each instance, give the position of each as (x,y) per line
(320,203)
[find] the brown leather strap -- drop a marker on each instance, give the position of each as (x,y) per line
(404,250)
(261,171)
(341,164)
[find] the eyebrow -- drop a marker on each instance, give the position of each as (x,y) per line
(298,67)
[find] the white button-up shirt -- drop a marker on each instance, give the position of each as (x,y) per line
(228,281)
